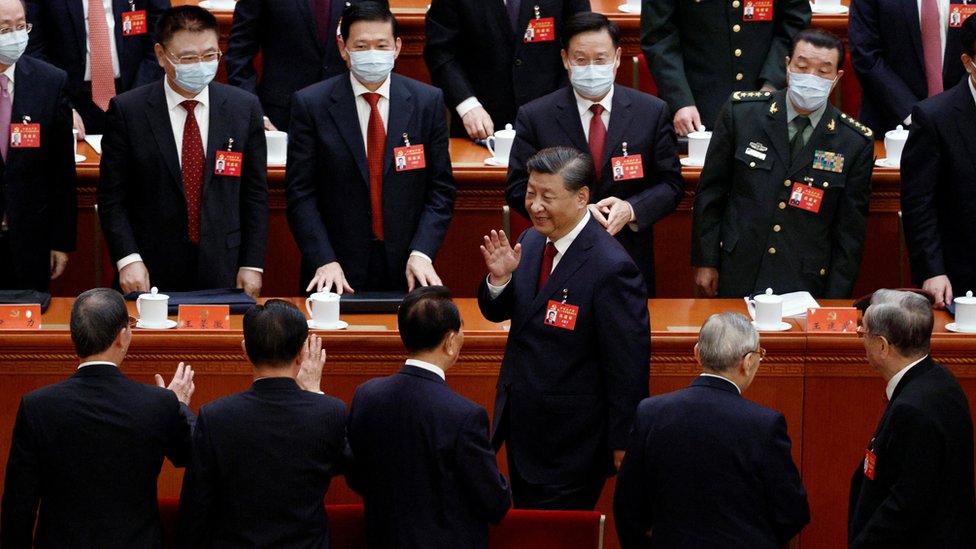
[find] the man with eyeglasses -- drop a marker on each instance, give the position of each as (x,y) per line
(37,182)
(361,221)
(913,489)
(88,39)
(705,467)
(169,218)
(627,133)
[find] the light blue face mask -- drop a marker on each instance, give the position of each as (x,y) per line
(592,80)
(371,66)
(809,92)
(194,77)
(12,46)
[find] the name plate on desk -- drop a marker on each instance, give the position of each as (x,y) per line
(832,320)
(204,317)
(20,317)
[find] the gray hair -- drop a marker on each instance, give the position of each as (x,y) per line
(575,167)
(905,319)
(724,339)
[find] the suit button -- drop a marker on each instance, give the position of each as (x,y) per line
(739,76)
(738,52)
(787,183)
(736,28)
(826,184)
(735,4)
(772,251)
(777,228)
(752,164)
(782,205)
(518,62)
(823,272)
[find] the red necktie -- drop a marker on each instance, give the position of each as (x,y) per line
(932,45)
(100,50)
(598,137)
(322,9)
(546,269)
(192,167)
(376,143)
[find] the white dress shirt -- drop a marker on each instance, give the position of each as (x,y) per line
(586,115)
(893,382)
(425,366)
(111,39)
(94,362)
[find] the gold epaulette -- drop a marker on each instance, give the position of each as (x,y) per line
(750,96)
(861,128)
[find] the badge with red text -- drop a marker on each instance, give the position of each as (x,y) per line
(228,163)
(20,317)
(204,317)
(958,13)
(627,167)
(806,197)
(540,30)
(832,319)
(561,315)
(134,23)
(410,157)
(757,10)
(25,136)
(869,461)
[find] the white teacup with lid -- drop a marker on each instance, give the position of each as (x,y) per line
(894,143)
(966,313)
(501,143)
(769,310)
(153,309)
(323,307)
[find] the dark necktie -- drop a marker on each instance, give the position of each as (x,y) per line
(322,11)
(192,168)
(598,138)
(512,7)
(376,142)
(546,269)
(932,45)
(796,145)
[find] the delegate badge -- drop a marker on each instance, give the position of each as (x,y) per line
(757,10)
(25,136)
(806,197)
(959,13)
(228,163)
(540,30)
(561,315)
(410,157)
(627,167)
(134,23)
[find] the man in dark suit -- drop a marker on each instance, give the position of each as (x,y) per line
(706,467)
(424,464)
(914,488)
(687,47)
(360,222)
(938,180)
(633,132)
(894,57)
(298,47)
(783,198)
(170,220)
(101,60)
(489,57)
(38,209)
(567,390)
(263,459)
(86,452)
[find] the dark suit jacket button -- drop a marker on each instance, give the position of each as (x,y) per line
(518,62)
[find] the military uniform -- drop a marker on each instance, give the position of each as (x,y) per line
(754,215)
(700,51)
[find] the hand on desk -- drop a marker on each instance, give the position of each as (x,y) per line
(134,278)
(59,260)
(182,383)
(613,213)
(687,120)
(250,280)
(313,360)
(420,272)
(268,126)
(940,288)
(500,257)
(478,124)
(329,275)
(706,282)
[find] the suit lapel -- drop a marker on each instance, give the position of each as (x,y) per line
(118,8)
(218,133)
(620,120)
(157,114)
(966,118)
(400,114)
(568,119)
(916,371)
(23,104)
(305,10)
(774,125)
(77,16)
(817,140)
(910,10)
(525,278)
(344,114)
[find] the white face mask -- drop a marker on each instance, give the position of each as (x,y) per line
(809,92)
(12,46)
(371,66)
(592,80)
(194,77)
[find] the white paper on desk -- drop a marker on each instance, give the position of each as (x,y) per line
(795,305)
(95,140)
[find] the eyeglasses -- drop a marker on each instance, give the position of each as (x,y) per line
(19,28)
(862,332)
(761,351)
(191,59)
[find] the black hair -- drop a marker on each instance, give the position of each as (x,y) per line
(274,332)
(589,21)
(97,317)
(820,38)
(426,316)
(367,11)
(575,167)
(184,18)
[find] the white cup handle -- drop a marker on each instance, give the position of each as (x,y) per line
(138,306)
(490,143)
(308,307)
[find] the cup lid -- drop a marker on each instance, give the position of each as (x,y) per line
(506,133)
(898,133)
(324,296)
(154,295)
(700,134)
(768,297)
(967,300)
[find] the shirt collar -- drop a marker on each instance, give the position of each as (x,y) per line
(425,366)
(94,362)
(174,99)
(893,382)
(584,105)
(358,88)
(814,117)
(716,376)
(565,242)
(972,89)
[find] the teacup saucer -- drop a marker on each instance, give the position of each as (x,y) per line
(492,161)
(168,325)
(627,8)
(781,327)
(691,163)
(887,163)
(828,10)
(80,158)
(209,6)
(953,328)
(339,325)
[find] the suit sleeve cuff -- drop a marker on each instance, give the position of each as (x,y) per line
(128,260)
(415,253)
(466,106)
(632,224)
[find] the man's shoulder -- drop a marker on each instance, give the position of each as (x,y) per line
(233,94)
(854,128)
(425,92)
(641,100)
(41,70)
